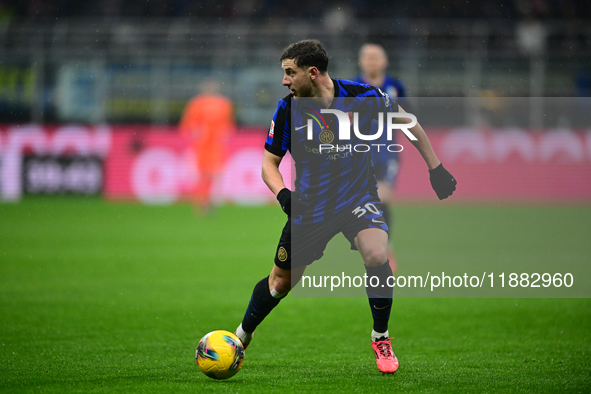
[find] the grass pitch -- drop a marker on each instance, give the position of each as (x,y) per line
(100,297)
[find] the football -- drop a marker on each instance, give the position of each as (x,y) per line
(220,354)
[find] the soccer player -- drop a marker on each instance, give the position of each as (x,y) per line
(207,122)
(332,194)
(373,62)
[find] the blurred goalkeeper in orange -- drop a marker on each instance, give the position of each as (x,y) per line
(207,123)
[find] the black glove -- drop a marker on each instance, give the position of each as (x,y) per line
(288,198)
(442,182)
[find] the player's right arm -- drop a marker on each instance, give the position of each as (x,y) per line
(270,172)
(274,181)
(276,145)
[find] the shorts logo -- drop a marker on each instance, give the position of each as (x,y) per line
(282,254)
(326,136)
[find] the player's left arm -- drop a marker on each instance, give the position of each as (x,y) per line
(422,143)
(442,181)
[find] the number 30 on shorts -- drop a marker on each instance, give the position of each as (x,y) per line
(360,211)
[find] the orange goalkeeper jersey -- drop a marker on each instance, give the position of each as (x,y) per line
(208,122)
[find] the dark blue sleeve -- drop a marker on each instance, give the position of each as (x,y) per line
(280,132)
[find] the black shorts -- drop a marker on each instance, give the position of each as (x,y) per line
(310,240)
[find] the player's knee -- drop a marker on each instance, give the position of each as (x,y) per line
(375,257)
(279,287)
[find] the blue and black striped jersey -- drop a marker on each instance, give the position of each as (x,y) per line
(332,178)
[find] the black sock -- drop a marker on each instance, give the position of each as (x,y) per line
(388,217)
(380,298)
(260,305)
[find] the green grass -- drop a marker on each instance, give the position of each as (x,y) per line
(100,297)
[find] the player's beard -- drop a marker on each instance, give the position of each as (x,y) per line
(304,91)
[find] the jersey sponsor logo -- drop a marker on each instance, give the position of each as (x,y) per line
(282,254)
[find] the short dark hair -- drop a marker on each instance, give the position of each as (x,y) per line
(307,53)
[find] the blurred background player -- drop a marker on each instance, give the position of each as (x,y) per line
(207,122)
(373,62)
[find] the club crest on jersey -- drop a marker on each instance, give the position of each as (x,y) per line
(326,136)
